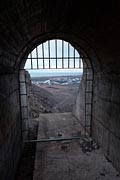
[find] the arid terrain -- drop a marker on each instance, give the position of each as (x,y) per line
(52,94)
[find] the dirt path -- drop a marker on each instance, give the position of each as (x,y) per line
(68,160)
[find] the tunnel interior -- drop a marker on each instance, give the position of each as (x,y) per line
(25,24)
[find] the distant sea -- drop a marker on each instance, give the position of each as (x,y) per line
(42,73)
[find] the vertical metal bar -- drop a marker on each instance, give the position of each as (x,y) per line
(85,98)
(91,101)
(37,57)
(74,57)
(49,53)
(87,91)
(68,56)
(31,60)
(56,52)
(24,80)
(28,129)
(62,54)
(20,103)
(43,56)
(79,62)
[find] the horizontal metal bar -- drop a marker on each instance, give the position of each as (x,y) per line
(89,80)
(50,140)
(23,82)
(88,92)
(25,130)
(87,68)
(71,57)
(53,68)
(23,119)
(24,106)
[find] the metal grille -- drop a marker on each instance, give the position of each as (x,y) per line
(24,104)
(54,54)
(88,73)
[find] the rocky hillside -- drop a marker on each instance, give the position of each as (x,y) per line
(45,97)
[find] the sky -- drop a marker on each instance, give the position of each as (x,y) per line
(64,72)
(52,61)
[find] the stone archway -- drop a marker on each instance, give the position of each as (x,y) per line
(83,108)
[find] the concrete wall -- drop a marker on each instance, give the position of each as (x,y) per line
(106,116)
(83,103)
(10,126)
(105,113)
(79,108)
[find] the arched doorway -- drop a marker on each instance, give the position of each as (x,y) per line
(59,55)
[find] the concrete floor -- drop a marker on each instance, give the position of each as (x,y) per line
(72,159)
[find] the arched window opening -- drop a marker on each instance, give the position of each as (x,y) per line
(54,54)
(55,58)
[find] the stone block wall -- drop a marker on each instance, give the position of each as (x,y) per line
(105,113)
(106,116)
(10,126)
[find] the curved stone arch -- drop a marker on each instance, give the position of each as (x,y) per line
(78,43)
(91,61)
